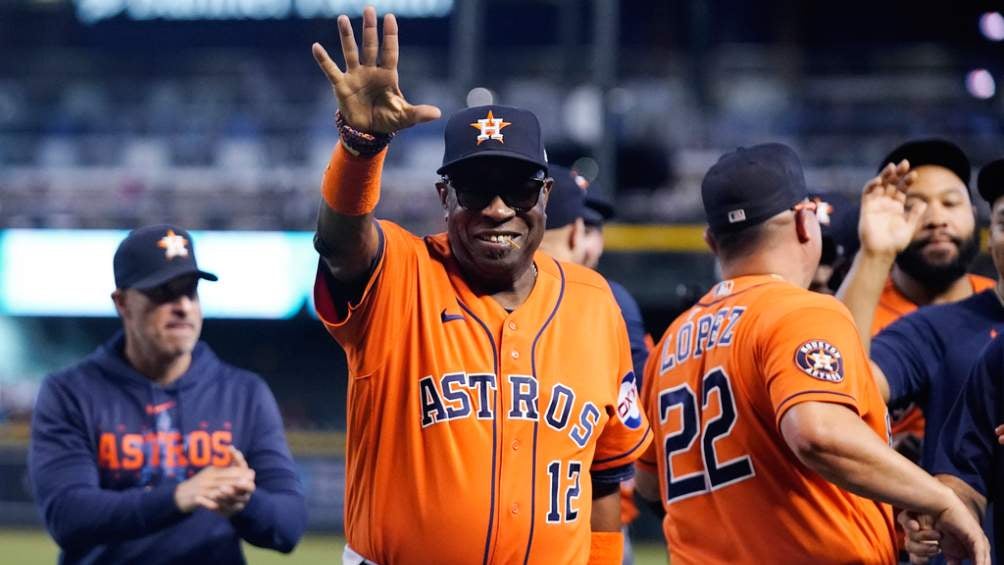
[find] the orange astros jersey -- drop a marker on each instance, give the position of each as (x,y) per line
(473,432)
(716,388)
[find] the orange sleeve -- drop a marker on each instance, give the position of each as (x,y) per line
(813,353)
(627,433)
(371,325)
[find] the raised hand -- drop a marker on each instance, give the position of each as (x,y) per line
(368,93)
(886,226)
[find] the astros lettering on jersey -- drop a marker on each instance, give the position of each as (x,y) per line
(473,432)
(716,388)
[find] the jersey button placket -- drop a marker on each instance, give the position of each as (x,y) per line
(515,361)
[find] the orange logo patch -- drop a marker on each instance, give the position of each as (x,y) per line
(490,127)
(819,359)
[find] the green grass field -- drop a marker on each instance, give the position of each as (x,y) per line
(33,547)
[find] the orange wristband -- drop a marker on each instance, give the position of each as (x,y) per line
(606,548)
(351,184)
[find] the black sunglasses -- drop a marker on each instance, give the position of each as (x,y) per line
(519,194)
(173,290)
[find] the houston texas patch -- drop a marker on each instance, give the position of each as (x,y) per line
(817,358)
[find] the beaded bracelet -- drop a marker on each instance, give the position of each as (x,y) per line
(360,142)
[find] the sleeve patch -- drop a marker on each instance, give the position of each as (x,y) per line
(821,360)
(628,408)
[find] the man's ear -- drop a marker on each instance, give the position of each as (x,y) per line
(576,235)
(548,185)
(444,195)
(119,299)
(802,225)
(709,238)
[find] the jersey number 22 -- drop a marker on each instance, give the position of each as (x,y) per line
(715,474)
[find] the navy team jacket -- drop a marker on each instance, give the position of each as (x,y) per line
(108,448)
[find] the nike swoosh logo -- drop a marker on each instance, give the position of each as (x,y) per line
(158,408)
(444,317)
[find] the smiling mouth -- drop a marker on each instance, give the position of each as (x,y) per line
(940,242)
(506,239)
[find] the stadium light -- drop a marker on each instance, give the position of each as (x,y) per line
(992,26)
(980,83)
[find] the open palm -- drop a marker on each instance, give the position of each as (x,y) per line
(368,93)
(886,225)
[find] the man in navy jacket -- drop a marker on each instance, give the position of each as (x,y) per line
(151,449)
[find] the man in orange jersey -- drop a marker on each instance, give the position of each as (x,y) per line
(492,408)
(767,422)
(887,283)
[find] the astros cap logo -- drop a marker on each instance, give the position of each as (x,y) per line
(173,245)
(490,128)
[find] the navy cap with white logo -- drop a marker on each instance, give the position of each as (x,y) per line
(153,255)
(493,131)
(750,185)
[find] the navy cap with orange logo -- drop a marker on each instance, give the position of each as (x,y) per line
(153,255)
(493,131)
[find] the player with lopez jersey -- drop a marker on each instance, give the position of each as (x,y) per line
(750,349)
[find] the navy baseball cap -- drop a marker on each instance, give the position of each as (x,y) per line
(598,210)
(750,185)
(153,255)
(567,201)
(932,151)
(842,230)
(493,131)
(990,181)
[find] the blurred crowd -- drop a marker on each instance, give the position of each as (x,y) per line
(232,139)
